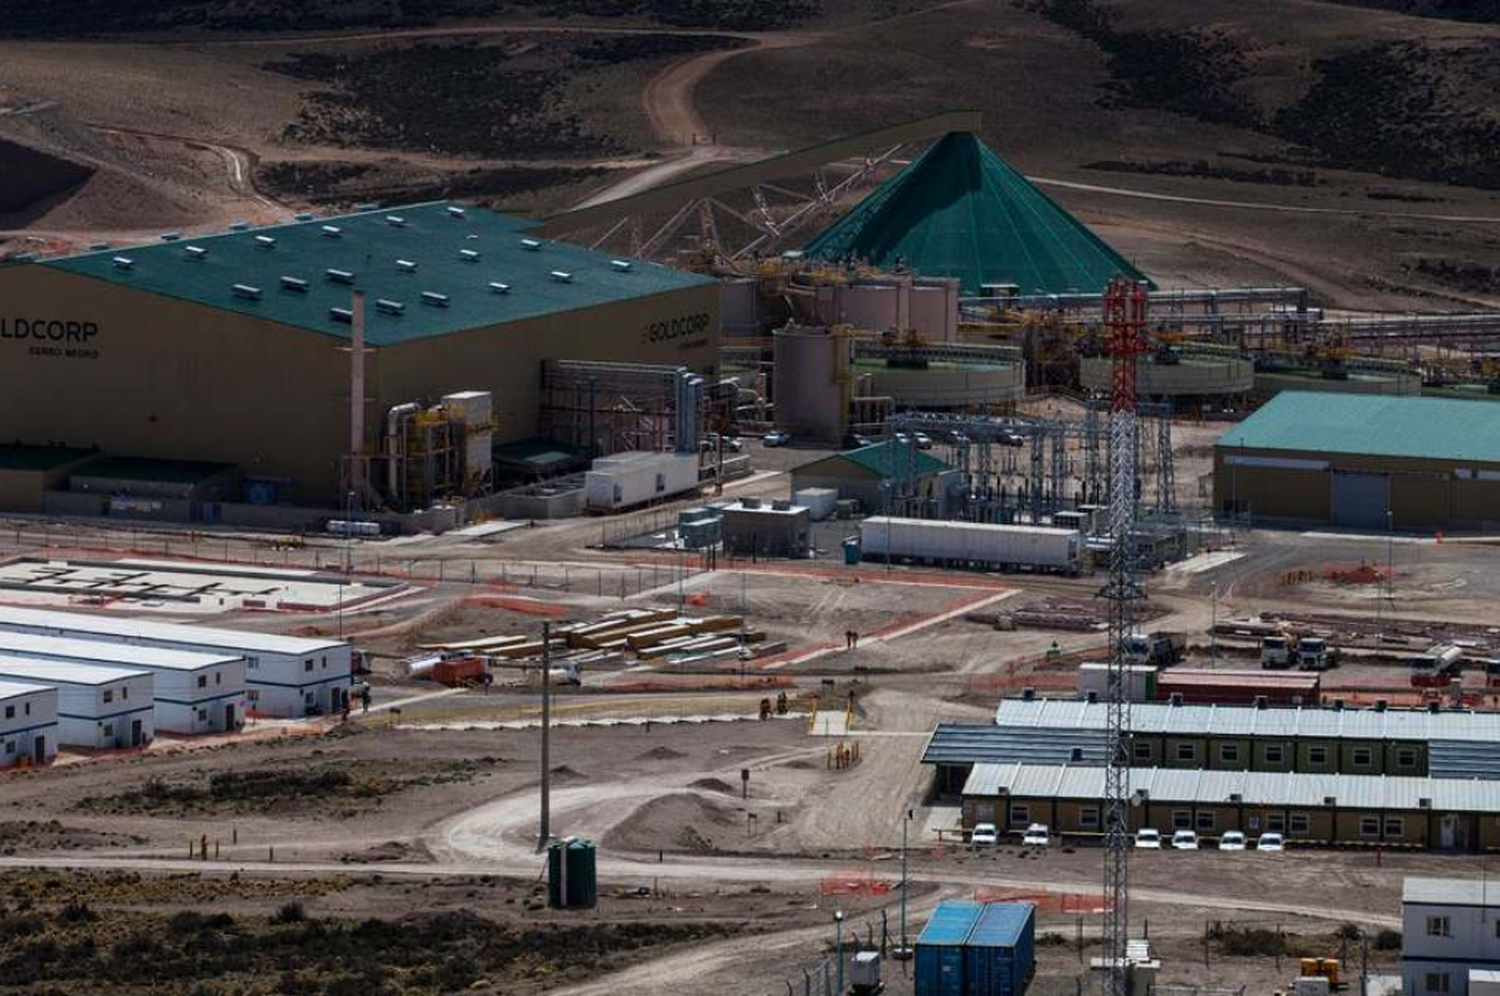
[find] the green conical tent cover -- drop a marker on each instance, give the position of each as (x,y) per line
(959,210)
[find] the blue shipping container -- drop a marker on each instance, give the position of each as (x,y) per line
(1000,950)
(940,949)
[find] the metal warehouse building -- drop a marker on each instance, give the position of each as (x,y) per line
(1363,462)
(281,676)
(96,706)
(234,349)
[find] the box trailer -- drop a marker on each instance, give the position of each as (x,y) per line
(979,545)
(28,724)
(97,706)
(626,480)
(1000,952)
(940,949)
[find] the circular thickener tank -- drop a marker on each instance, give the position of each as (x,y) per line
(945,383)
(1375,381)
(806,388)
(1193,376)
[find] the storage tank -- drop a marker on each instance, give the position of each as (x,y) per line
(1000,952)
(739,304)
(934,309)
(1197,372)
(873,306)
(572,882)
(811,382)
(940,948)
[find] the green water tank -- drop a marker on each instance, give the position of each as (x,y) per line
(572,881)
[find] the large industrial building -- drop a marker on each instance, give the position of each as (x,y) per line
(198,355)
(1363,462)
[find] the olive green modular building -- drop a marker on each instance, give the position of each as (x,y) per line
(234,348)
(1363,462)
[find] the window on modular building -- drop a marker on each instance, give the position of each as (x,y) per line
(1395,826)
(1142,752)
(1274,754)
(1439,926)
(202,681)
(1182,819)
(1317,755)
(109,729)
(1186,752)
(28,708)
(203,714)
(254,694)
(10,712)
(1229,753)
(218,678)
(1406,758)
(10,746)
(1369,826)
(253,663)
(109,695)
(325,662)
(307,664)
(125,692)
(1020,814)
(1437,982)
(1088,817)
(1275,823)
(1206,821)
(1300,823)
(1362,755)
(661,482)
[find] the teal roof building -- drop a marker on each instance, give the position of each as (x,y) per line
(960,211)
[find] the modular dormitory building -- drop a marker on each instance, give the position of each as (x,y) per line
(96,706)
(191,692)
(284,676)
(28,724)
(1446,813)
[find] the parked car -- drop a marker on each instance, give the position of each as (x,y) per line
(731,444)
(1184,840)
(777,438)
(856,441)
(1148,839)
(984,835)
(1271,842)
(1232,840)
(1037,835)
(923,441)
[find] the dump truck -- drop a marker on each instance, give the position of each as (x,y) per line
(1314,654)
(1160,649)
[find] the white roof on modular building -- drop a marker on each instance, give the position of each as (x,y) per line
(12,689)
(1247,721)
(101,652)
(208,636)
(65,672)
(1255,788)
(1450,891)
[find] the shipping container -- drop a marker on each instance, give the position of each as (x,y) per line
(940,948)
(1000,951)
(1093,679)
(457,671)
(971,544)
(819,502)
(626,480)
(1223,686)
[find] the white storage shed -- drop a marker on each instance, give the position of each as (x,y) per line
(97,706)
(636,478)
(28,724)
(284,676)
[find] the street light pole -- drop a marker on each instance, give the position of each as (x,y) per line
(544,831)
(1213,632)
(838,951)
(903,952)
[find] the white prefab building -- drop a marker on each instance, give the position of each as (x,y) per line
(285,677)
(97,706)
(1450,935)
(626,480)
(28,724)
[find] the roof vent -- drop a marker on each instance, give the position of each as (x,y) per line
(196,252)
(623,265)
(341,315)
(562,276)
(294,284)
(368,206)
(435,299)
(1424,803)
(499,288)
(1338,705)
(26,257)
(1236,797)
(239,226)
(1434,706)
(406,265)
(396,220)
(469,255)
(1381,705)
(247,292)
(96,246)
(265,242)
(170,236)
(1261,702)
(332,231)
(303,216)
(340,276)
(389,307)
(1075,755)
(1330,801)
(1175,699)
(455,211)
(123,263)
(1091,697)
(531,245)
(1028,694)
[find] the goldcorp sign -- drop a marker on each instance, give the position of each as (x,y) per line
(690,328)
(52,337)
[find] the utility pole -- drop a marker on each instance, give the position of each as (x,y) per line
(1125,318)
(1213,631)
(903,952)
(544,832)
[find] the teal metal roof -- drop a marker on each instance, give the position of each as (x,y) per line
(368,245)
(1372,425)
(959,210)
(891,457)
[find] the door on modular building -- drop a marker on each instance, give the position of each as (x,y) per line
(229,717)
(39,750)
(1360,501)
(137,733)
(1453,832)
